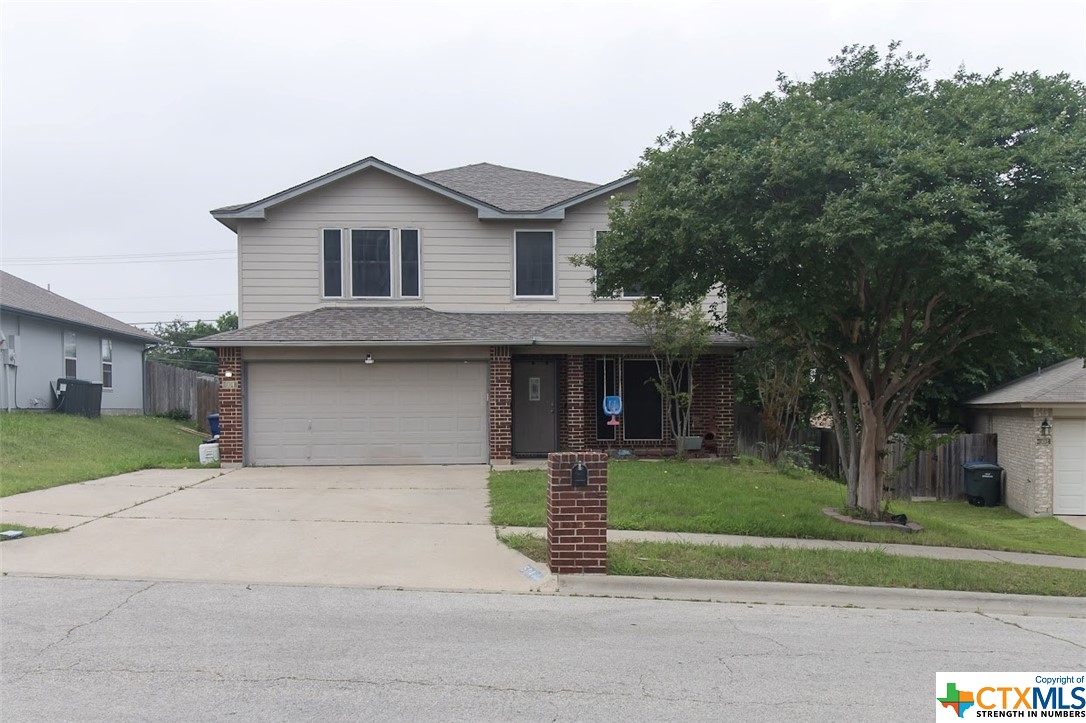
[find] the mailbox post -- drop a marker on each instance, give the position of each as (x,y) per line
(577,512)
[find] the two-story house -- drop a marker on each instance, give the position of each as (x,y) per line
(394,318)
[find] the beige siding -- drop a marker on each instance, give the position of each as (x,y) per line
(467,264)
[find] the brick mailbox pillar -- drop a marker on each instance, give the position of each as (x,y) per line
(576,516)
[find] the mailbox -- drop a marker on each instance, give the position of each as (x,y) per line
(579,475)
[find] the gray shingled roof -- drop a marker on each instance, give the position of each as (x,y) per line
(1063,383)
(509,189)
(416,325)
(23,296)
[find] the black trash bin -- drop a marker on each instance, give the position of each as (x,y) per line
(78,396)
(983,483)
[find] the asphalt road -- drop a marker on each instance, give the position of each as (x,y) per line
(105,650)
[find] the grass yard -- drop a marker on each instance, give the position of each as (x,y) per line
(829,567)
(752,498)
(40,450)
(29,531)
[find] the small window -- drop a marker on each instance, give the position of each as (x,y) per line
(409,262)
(69,354)
(371,262)
(107,364)
(332,261)
(534,259)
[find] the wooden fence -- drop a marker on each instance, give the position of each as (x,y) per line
(937,473)
(169,388)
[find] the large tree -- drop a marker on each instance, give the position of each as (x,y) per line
(896,227)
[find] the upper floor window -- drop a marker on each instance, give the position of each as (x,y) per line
(332,262)
(371,265)
(533,257)
(409,262)
(69,354)
(371,262)
(107,364)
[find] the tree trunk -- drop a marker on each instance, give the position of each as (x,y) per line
(872,448)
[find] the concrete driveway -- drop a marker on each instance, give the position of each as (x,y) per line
(424,527)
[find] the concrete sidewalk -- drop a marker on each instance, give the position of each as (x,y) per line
(935,553)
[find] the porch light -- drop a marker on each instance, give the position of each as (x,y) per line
(1046,428)
(369,358)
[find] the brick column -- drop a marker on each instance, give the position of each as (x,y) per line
(576,516)
(231,440)
(574,422)
(726,414)
(500,397)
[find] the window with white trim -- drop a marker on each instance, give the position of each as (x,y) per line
(69,354)
(107,364)
(409,263)
(376,267)
(533,257)
(332,263)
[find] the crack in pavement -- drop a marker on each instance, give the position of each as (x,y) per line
(1031,630)
(98,619)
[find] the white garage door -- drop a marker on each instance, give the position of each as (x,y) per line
(1069,466)
(353,413)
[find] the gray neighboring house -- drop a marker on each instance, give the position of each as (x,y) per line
(388,317)
(1041,423)
(46,337)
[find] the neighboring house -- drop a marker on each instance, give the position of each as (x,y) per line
(388,317)
(47,337)
(1041,423)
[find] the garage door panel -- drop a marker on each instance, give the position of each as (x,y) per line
(350,413)
(1069,466)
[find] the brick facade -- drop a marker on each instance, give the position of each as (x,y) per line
(712,412)
(231,439)
(500,397)
(1025,456)
(577,516)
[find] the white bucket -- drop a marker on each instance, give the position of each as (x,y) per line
(209,452)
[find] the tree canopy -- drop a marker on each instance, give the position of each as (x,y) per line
(896,227)
(178,336)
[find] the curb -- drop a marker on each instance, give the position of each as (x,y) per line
(811,595)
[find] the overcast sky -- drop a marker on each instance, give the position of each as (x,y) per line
(123,124)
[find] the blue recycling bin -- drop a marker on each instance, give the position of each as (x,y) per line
(213,424)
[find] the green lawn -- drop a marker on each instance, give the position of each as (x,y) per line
(29,531)
(41,450)
(829,567)
(756,499)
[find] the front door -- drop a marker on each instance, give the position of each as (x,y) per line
(535,421)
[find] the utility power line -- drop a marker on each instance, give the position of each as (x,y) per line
(155,258)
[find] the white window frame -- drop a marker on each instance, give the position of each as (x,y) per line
(554,265)
(399,261)
(395,262)
(392,265)
(74,358)
(342,266)
(107,351)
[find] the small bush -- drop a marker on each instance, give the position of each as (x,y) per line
(178,414)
